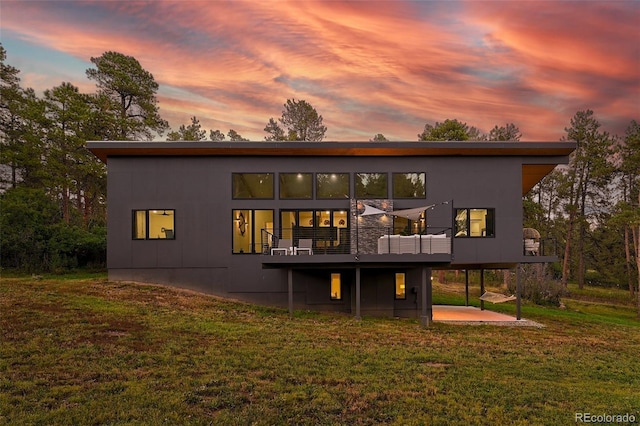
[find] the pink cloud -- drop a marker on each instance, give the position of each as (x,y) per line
(368,67)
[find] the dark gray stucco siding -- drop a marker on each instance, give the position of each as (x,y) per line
(200,257)
(491,183)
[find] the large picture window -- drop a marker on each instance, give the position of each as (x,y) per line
(154,224)
(475,223)
(404,226)
(247,230)
(252,185)
(409,185)
(328,229)
(296,185)
(371,185)
(332,185)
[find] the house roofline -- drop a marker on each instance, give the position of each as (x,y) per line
(533,170)
(105,149)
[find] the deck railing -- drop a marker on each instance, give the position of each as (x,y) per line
(360,240)
(539,247)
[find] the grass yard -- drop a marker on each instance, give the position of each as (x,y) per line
(86,351)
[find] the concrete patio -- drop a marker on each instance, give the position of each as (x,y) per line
(470,315)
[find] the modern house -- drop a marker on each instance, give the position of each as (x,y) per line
(354,227)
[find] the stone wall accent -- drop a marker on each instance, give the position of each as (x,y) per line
(365,230)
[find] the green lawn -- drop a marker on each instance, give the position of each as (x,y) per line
(87,351)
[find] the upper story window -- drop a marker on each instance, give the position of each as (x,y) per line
(371,185)
(475,223)
(297,186)
(332,185)
(154,224)
(409,185)
(252,185)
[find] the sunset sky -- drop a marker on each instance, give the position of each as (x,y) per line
(367,67)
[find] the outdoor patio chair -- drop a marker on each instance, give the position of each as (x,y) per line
(305,246)
(531,247)
(284,247)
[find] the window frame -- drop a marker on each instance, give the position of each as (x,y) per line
(250,224)
(147,224)
(312,228)
(280,185)
(393,185)
(397,284)
(233,187)
(339,296)
(367,196)
(490,222)
(317,193)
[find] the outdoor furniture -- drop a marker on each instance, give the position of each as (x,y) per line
(435,243)
(414,244)
(283,249)
(531,247)
(305,246)
(531,241)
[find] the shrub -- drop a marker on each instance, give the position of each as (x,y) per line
(33,237)
(26,219)
(538,285)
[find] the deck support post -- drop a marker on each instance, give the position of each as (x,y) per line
(466,287)
(290,287)
(481,288)
(427,298)
(358,316)
(518,292)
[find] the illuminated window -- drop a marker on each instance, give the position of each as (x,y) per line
(329,229)
(404,226)
(252,230)
(475,223)
(401,290)
(409,185)
(154,225)
(336,287)
(332,185)
(296,185)
(252,185)
(371,185)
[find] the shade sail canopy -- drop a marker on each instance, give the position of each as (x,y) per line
(411,214)
(370,210)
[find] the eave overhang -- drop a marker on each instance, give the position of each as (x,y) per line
(543,156)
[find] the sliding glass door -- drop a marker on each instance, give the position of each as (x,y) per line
(328,229)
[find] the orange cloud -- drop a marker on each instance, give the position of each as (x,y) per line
(368,67)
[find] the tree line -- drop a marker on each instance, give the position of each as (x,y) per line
(53,213)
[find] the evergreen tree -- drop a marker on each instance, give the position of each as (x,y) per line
(132,92)
(585,189)
(299,121)
(75,177)
(236,137)
(505,133)
(192,132)
(627,213)
(379,138)
(216,135)
(449,130)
